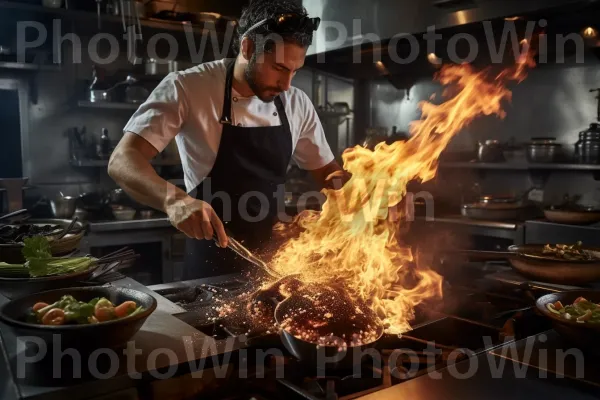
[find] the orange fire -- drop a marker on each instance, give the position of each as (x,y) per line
(353,241)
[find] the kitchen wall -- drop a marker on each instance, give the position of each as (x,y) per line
(554,101)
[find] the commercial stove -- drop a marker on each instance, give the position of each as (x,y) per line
(486,314)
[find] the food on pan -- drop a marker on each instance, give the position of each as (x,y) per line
(569,252)
(316,313)
(16,234)
(40,261)
(69,311)
(581,311)
(326,317)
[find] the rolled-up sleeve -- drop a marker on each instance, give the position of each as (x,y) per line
(160,118)
(312,150)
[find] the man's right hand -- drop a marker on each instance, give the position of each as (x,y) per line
(197,219)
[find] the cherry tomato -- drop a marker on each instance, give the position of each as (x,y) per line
(579,299)
(125,309)
(56,316)
(38,306)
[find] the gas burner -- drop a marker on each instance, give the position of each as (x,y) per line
(232,286)
(185,296)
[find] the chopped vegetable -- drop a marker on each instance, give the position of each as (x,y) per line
(39,306)
(582,311)
(125,309)
(40,262)
(68,310)
(56,316)
(558,305)
(36,247)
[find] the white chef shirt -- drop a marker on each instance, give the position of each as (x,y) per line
(187,106)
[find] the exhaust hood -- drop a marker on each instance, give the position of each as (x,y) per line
(354,35)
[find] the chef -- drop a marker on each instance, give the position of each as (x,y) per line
(238,123)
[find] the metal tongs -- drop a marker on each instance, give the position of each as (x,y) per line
(246,254)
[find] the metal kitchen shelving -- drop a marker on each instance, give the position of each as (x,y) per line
(520,166)
(79,14)
(104,163)
(29,66)
(108,105)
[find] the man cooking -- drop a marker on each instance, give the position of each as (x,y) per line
(237,123)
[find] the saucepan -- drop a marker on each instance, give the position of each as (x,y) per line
(537,262)
(581,334)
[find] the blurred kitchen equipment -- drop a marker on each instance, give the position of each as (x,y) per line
(68,229)
(490,151)
(7,218)
(587,148)
(531,261)
(151,67)
(136,94)
(146,214)
(63,206)
(597,98)
(5,50)
(375,135)
(52,3)
(81,214)
(99,89)
(571,212)
(342,108)
(123,213)
(543,150)
(98,12)
(131,9)
(573,217)
(497,208)
(105,145)
(117,196)
(173,65)
(14,192)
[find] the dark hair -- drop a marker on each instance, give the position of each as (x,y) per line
(258,10)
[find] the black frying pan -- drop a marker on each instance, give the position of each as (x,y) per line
(530,261)
(319,357)
(580,335)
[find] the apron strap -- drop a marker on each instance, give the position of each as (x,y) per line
(226,114)
(282,115)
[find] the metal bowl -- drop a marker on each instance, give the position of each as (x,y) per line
(543,152)
(63,207)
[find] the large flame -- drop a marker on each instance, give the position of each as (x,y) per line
(353,241)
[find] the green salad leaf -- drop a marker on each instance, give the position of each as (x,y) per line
(36,247)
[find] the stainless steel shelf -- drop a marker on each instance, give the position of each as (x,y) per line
(520,166)
(108,105)
(104,163)
(29,66)
(78,14)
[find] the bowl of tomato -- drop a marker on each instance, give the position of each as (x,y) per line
(84,317)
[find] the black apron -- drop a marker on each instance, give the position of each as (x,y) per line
(250,168)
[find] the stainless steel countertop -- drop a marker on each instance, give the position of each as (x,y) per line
(111,225)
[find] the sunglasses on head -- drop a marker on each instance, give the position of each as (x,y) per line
(288,23)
